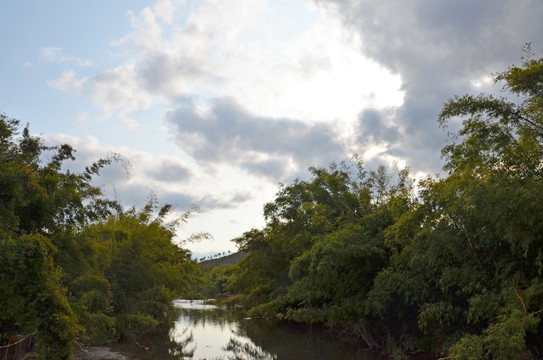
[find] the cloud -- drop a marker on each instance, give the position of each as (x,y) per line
(165,9)
(170,171)
(57,55)
(139,173)
(377,125)
(230,50)
(238,49)
(119,89)
(439,49)
(271,147)
(68,82)
(224,201)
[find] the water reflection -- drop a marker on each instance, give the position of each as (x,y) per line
(206,332)
(217,333)
(247,351)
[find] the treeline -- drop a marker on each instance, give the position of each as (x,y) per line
(215,256)
(74,264)
(448,265)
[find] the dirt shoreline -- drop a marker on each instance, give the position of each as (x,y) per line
(97,353)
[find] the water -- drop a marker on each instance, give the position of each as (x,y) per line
(207,332)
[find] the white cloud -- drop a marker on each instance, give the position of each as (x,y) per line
(68,82)
(234,49)
(173,180)
(230,50)
(82,117)
(166,9)
(57,55)
(119,89)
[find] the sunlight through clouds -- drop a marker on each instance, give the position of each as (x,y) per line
(317,74)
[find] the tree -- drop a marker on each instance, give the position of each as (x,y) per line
(497,164)
(73,263)
(135,271)
(38,202)
(322,246)
(469,256)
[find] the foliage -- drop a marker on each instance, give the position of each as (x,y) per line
(30,294)
(213,282)
(316,259)
(136,272)
(73,263)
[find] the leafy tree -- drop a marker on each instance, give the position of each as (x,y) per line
(469,255)
(323,244)
(38,201)
(135,272)
(496,163)
(73,263)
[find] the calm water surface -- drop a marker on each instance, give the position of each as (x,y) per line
(207,332)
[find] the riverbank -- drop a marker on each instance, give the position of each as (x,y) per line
(97,353)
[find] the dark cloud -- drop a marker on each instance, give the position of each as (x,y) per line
(373,127)
(167,74)
(438,48)
(269,168)
(178,200)
(227,133)
(170,171)
(227,201)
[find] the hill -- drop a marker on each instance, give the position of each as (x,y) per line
(231,259)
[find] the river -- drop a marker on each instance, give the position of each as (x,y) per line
(207,332)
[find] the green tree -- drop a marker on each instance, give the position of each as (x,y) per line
(322,246)
(38,201)
(496,163)
(136,271)
(468,257)
(72,262)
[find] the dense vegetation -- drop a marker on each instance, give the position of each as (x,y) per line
(214,276)
(74,264)
(452,265)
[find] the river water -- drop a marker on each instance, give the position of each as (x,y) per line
(206,332)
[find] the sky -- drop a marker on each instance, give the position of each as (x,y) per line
(215,103)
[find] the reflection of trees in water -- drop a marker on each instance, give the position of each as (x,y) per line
(247,351)
(251,339)
(180,344)
(298,341)
(267,337)
(217,317)
(242,350)
(162,346)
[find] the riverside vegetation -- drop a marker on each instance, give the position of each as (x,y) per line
(74,264)
(450,265)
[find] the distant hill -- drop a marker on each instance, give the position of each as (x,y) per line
(231,259)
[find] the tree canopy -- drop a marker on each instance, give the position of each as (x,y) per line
(74,264)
